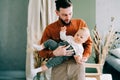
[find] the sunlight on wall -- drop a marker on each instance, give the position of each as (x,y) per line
(105,9)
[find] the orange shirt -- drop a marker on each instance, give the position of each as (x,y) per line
(52,31)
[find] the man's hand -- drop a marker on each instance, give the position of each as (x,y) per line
(62,51)
(84,59)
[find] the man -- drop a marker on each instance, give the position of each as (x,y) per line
(69,70)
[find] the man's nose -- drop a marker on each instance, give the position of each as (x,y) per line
(67,17)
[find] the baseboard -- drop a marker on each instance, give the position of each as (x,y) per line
(12,75)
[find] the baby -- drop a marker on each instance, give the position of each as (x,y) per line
(74,43)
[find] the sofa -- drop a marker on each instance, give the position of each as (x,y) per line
(112,64)
(113,58)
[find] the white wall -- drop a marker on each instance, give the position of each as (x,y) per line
(105,9)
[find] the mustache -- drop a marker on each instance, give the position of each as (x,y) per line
(64,23)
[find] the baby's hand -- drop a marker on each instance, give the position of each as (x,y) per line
(77,59)
(63,28)
(80,60)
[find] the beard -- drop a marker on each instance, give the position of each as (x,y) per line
(64,23)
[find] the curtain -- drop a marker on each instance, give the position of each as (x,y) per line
(40,14)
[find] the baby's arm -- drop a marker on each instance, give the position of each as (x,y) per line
(63,33)
(78,54)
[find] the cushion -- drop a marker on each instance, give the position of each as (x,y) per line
(115,52)
(113,61)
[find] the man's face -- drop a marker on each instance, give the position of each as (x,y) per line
(65,14)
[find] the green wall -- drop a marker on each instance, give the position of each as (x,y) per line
(13,24)
(85,9)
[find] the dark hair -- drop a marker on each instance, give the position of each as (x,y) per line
(62,4)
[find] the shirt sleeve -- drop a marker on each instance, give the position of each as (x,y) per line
(87,48)
(45,53)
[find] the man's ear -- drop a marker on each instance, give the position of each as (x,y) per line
(57,13)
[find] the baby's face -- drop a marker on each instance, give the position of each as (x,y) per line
(80,37)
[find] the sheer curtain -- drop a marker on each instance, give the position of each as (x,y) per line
(40,14)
